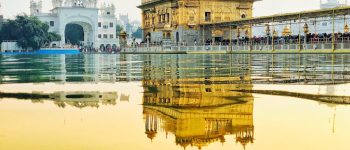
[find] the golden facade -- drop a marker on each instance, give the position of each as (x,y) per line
(170,18)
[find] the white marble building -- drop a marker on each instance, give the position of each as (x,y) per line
(98,23)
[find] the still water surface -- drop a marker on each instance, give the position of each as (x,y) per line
(211,102)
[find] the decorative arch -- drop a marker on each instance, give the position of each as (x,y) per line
(102,47)
(88,26)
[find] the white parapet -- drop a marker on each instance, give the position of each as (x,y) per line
(10,46)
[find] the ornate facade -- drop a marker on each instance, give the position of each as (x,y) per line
(181,20)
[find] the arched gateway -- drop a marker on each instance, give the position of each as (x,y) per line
(87,18)
(83,13)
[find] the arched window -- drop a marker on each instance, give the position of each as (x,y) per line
(243,16)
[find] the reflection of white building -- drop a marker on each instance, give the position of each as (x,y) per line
(98,23)
(318,25)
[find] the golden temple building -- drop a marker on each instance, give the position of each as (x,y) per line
(181,20)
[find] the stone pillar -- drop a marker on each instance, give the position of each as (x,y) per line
(86,34)
(63,37)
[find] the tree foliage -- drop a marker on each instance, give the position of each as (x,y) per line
(28,31)
(138,33)
(119,29)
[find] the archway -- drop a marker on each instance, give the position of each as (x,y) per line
(177,37)
(114,47)
(74,34)
(108,47)
(102,47)
(82,34)
(168,35)
(148,37)
(89,28)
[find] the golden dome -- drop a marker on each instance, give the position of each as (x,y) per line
(286,31)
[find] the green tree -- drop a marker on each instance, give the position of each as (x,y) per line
(28,31)
(138,33)
(119,29)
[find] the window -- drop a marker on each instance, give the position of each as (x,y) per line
(163,18)
(108,13)
(243,16)
(167,17)
(100,24)
(52,23)
(208,90)
(191,18)
(207,16)
(105,36)
(99,36)
(111,24)
(324,23)
(111,36)
(105,26)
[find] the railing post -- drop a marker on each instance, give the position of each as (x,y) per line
(273,37)
(299,33)
(333,30)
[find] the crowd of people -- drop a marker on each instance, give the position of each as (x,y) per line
(310,38)
(290,39)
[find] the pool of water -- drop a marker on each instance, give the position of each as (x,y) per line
(174,102)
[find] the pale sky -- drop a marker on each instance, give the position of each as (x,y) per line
(9,8)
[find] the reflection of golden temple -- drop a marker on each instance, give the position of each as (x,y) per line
(197,92)
(151,126)
(200,111)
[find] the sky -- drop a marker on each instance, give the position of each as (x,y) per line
(10,8)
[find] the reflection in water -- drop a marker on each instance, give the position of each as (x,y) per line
(198,110)
(195,100)
(273,68)
(75,99)
(69,68)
